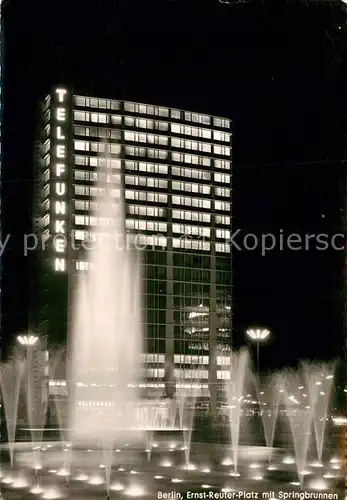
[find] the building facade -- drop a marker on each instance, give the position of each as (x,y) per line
(174,167)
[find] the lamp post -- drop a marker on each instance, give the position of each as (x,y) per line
(257,335)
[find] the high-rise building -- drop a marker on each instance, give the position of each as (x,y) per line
(175,170)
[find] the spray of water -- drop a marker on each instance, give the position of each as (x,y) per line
(10,380)
(319,379)
(106,338)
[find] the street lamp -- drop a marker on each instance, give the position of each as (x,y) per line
(258,335)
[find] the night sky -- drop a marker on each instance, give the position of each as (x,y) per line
(277,68)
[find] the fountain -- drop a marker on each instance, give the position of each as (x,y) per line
(10,380)
(269,399)
(300,421)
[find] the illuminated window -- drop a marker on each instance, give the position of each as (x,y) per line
(223,247)
(225,164)
(191,187)
(46,190)
(189,244)
(145,196)
(80,101)
(221,150)
(176,114)
(79,116)
(134,151)
(191,202)
(46,175)
(81,145)
(191,216)
(143,225)
(129,106)
(191,230)
(157,153)
(98,117)
(46,146)
(46,220)
(146,211)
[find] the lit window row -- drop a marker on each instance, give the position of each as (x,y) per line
(191,172)
(145,225)
(204,147)
(152,240)
(223,219)
(222,164)
(82,116)
(135,180)
(191,202)
(191,159)
(191,230)
(191,187)
(92,102)
(151,153)
(191,360)
(153,168)
(223,233)
(197,118)
(47,131)
(199,360)
(193,216)
(92,191)
(57,383)
(97,147)
(145,196)
(146,211)
(146,109)
(81,175)
(223,375)
(194,131)
(222,247)
(223,192)
(224,206)
(221,122)
(94,161)
(161,140)
(130,121)
(189,244)
(223,178)
(86,205)
(104,133)
(155,373)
